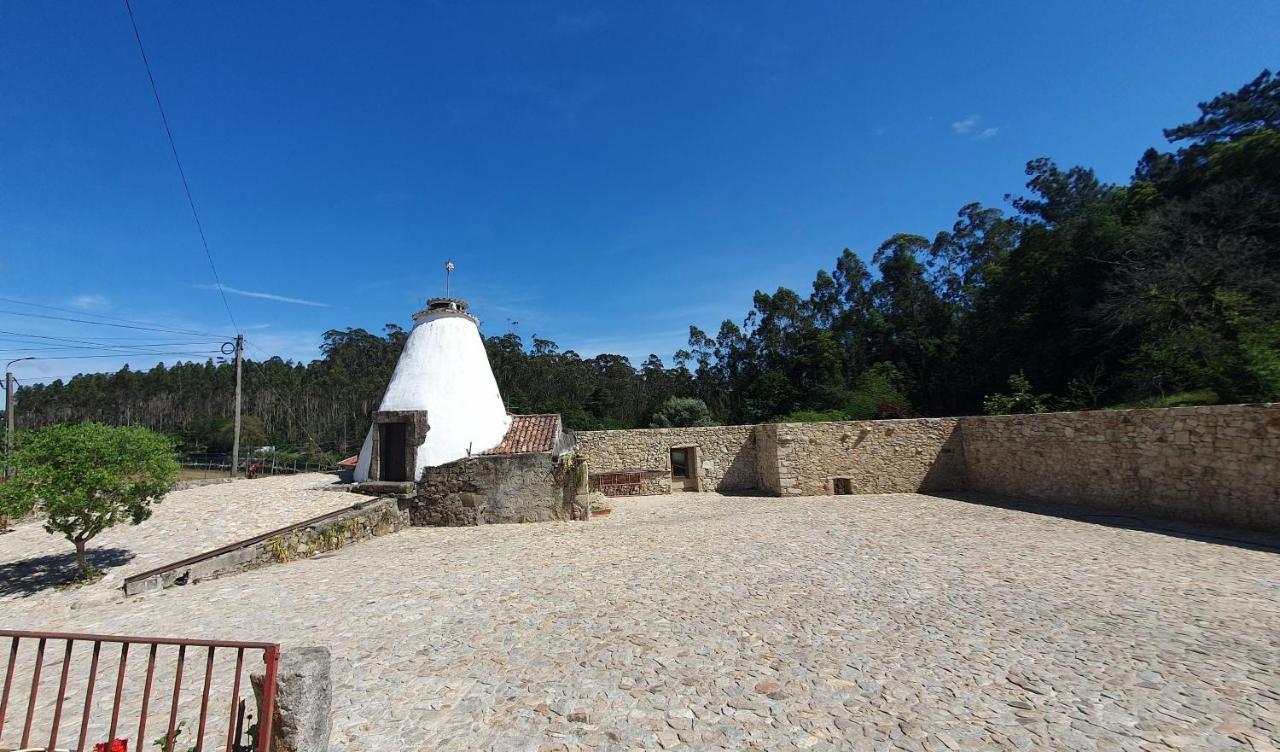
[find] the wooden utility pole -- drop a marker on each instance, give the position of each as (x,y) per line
(235,438)
(8,418)
(8,411)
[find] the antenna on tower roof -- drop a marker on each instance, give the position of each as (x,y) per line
(448,270)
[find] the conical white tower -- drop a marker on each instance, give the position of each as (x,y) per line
(442,403)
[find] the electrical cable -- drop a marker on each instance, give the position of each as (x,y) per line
(101,323)
(173,147)
(102,316)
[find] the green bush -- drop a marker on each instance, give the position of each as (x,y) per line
(681,412)
(879,392)
(86,477)
(1021,398)
(811,416)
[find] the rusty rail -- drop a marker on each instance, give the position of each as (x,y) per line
(270,656)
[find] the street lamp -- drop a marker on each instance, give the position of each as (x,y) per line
(8,409)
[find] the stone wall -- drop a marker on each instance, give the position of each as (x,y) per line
(875,456)
(725,455)
(492,489)
(1216,464)
(366,519)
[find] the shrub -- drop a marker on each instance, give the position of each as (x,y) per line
(879,392)
(681,412)
(87,477)
(1021,399)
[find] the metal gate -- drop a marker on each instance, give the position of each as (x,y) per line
(33,647)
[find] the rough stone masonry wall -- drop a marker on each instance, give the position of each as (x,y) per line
(366,520)
(1217,464)
(494,489)
(877,456)
(726,455)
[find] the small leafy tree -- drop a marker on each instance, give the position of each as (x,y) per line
(87,477)
(1021,398)
(680,412)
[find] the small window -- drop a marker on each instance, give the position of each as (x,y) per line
(842,486)
(680,463)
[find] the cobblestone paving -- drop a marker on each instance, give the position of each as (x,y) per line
(697,621)
(185,523)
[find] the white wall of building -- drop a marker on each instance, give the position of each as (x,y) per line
(445,371)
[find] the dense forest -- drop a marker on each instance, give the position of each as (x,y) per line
(1162,291)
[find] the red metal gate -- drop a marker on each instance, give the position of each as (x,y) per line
(152,645)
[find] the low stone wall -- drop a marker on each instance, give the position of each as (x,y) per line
(302,541)
(183,485)
(873,456)
(486,490)
(1217,464)
(726,455)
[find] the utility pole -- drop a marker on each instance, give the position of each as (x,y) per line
(235,439)
(8,411)
(8,417)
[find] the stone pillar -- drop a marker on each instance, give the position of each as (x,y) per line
(304,700)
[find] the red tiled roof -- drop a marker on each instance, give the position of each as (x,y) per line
(529,433)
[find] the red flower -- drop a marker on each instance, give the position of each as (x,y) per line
(115,745)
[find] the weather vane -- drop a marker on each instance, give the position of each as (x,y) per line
(448,270)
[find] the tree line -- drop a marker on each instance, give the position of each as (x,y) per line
(1161,291)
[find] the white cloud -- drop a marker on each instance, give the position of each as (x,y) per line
(965,127)
(265,296)
(91,303)
(969,127)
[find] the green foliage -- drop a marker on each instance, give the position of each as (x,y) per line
(1178,399)
(879,392)
(164,741)
(681,412)
(811,416)
(252,434)
(88,477)
(1021,399)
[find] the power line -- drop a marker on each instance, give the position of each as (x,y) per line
(173,147)
(133,354)
(104,316)
(103,323)
(36,339)
(140,347)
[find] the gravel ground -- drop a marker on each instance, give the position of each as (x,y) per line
(699,621)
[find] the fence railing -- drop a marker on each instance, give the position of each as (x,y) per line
(36,716)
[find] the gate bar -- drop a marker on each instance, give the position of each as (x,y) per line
(35,686)
(270,657)
(88,695)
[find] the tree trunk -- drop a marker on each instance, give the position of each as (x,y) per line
(81,561)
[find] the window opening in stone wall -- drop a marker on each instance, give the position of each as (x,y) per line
(842,486)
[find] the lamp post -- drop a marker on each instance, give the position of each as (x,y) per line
(8,410)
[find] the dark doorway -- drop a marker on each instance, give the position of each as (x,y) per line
(684,476)
(393,454)
(842,486)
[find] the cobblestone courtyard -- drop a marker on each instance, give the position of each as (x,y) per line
(878,622)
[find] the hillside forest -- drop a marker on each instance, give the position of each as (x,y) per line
(1081,294)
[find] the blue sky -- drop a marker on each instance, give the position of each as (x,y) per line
(603,173)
